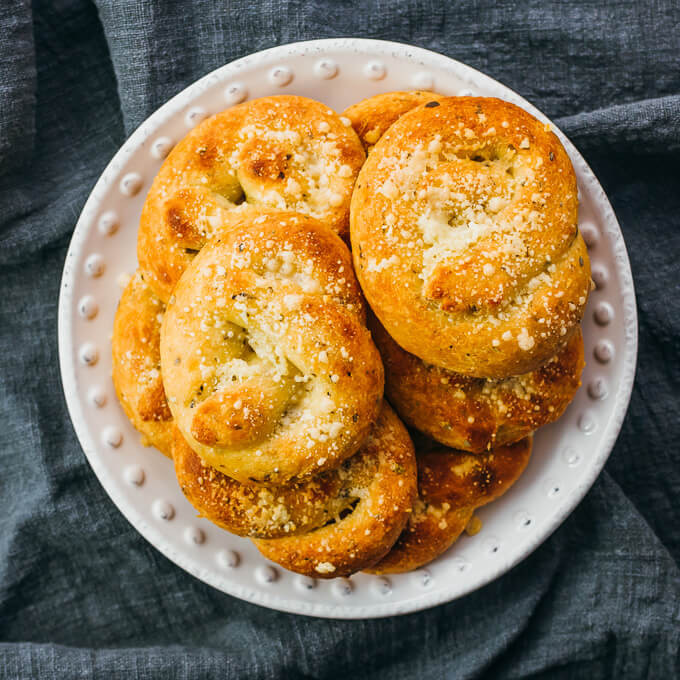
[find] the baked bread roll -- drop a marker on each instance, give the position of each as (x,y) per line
(371,117)
(451,485)
(465,240)
(477,414)
(383,493)
(284,152)
(258,511)
(137,364)
(263,512)
(269,369)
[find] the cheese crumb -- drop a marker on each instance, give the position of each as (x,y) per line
(525,341)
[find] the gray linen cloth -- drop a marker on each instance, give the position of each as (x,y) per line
(83,595)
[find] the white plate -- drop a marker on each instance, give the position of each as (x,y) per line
(567,455)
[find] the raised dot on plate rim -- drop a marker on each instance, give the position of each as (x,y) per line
(492,545)
(194,535)
(604,351)
(161,148)
(589,233)
(108,223)
(195,115)
(97,397)
(599,275)
(134,474)
(229,558)
(87,307)
(587,423)
(131,184)
(326,69)
(305,582)
(112,436)
(460,563)
(94,265)
(571,457)
(423,80)
(235,93)
(597,388)
(551,487)
(163,510)
(422,577)
(383,585)
(280,75)
(89,354)
(603,314)
(524,520)
(342,587)
(375,70)
(266,574)
(466,92)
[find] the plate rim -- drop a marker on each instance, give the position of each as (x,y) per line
(375,48)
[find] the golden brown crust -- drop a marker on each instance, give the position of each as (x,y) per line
(261,512)
(136,363)
(465,240)
(385,491)
(283,152)
(451,484)
(371,117)
(477,414)
(270,371)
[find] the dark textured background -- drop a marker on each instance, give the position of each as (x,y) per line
(83,595)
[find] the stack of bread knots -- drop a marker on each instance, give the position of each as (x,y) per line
(286,152)
(244,348)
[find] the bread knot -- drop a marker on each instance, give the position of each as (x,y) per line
(451,486)
(381,485)
(136,363)
(465,240)
(283,152)
(270,372)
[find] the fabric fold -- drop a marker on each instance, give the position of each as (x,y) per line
(17,85)
(83,595)
(648,126)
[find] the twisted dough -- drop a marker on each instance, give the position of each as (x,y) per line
(258,511)
(477,414)
(464,237)
(283,152)
(383,490)
(264,512)
(451,485)
(371,117)
(269,370)
(136,363)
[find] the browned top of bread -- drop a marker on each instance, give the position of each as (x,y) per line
(451,484)
(371,117)
(477,414)
(465,240)
(284,152)
(269,370)
(384,490)
(137,363)
(262,512)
